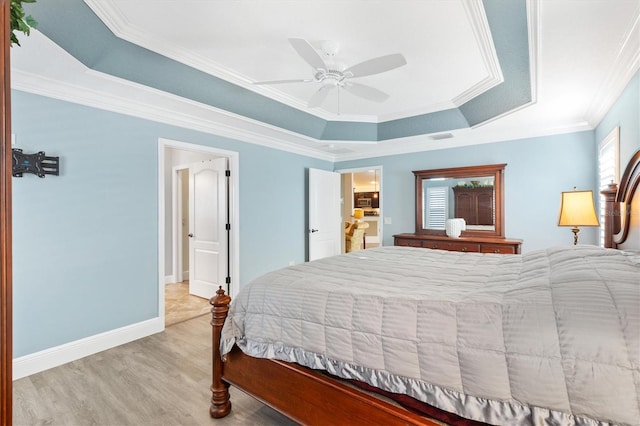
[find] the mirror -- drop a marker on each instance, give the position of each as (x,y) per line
(472,193)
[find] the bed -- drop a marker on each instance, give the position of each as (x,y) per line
(549,337)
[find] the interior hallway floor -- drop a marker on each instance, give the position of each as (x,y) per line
(180,306)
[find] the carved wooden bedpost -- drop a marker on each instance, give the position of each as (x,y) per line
(220,404)
(611,214)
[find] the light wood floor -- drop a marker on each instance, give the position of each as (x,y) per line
(162,379)
(179,305)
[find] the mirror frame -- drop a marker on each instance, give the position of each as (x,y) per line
(495,170)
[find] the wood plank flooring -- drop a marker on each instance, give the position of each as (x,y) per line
(162,379)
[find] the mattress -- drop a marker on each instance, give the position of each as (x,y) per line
(548,337)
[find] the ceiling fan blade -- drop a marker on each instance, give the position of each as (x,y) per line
(308,53)
(306,80)
(366,92)
(376,65)
(321,94)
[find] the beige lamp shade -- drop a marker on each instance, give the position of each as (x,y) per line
(358,213)
(577,209)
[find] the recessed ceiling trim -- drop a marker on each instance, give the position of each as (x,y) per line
(478,18)
(112,16)
(507,20)
(533,20)
(115,20)
(103,51)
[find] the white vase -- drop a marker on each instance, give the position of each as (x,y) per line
(454,227)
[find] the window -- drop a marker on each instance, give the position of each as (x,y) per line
(437,206)
(608,169)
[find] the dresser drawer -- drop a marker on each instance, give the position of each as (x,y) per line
(464,247)
(451,246)
(438,245)
(408,243)
(498,248)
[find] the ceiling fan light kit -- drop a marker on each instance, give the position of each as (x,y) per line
(331,77)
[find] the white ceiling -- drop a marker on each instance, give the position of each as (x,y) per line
(582,55)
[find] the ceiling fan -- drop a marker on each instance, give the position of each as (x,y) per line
(331,77)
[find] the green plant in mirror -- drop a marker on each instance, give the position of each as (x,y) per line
(20,21)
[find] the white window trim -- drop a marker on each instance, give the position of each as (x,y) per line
(613,138)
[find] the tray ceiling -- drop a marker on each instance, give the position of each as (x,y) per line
(474,69)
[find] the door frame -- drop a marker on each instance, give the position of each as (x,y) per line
(6,286)
(176,208)
(380,191)
(234,212)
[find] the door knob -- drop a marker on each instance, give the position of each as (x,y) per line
(190,235)
(313,230)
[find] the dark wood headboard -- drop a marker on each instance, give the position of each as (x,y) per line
(622,215)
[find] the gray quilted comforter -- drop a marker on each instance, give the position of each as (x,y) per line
(548,337)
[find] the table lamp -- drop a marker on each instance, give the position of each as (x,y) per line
(577,209)
(358,214)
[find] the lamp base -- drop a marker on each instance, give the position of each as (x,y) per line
(575,231)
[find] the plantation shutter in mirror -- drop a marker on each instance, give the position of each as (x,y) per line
(436,207)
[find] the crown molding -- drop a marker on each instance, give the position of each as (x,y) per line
(533,25)
(623,68)
(111,15)
(480,25)
(144,102)
(147,103)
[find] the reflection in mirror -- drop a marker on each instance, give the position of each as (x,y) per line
(472,193)
(471,199)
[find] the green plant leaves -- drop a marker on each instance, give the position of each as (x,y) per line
(19,21)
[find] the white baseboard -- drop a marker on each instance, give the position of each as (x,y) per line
(170,279)
(185,275)
(39,361)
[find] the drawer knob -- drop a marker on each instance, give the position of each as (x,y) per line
(464,249)
(496,251)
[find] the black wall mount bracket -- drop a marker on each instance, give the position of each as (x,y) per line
(38,164)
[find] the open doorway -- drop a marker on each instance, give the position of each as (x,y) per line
(180,305)
(362,208)
(186,256)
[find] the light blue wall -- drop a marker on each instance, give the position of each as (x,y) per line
(537,171)
(625,113)
(85,254)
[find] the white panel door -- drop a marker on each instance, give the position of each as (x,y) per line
(207,227)
(325,223)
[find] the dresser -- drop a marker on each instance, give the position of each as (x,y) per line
(464,244)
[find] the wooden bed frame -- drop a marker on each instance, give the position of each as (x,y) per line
(310,397)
